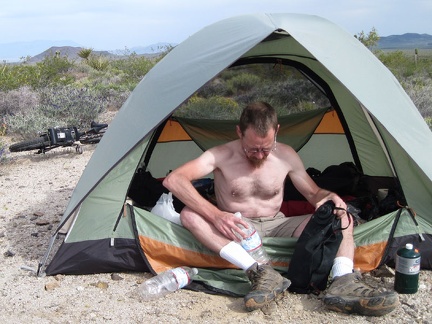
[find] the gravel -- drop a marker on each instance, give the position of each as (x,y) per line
(34,191)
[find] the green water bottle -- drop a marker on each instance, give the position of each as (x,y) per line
(407,270)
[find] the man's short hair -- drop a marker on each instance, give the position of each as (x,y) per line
(260,116)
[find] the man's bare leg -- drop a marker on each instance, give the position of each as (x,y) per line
(267,283)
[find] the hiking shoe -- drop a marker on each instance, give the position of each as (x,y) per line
(348,294)
(267,284)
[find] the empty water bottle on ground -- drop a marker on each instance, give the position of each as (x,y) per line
(252,243)
(166,282)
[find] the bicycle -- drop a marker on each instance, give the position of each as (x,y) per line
(62,137)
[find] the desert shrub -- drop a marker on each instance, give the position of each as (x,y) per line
(54,70)
(290,95)
(419,89)
(77,106)
(242,83)
(211,108)
(3,151)
(28,124)
(98,62)
(134,67)
(18,75)
(403,65)
(428,121)
(217,87)
(114,99)
(102,80)
(13,101)
(58,107)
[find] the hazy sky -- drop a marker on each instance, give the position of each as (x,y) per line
(116,24)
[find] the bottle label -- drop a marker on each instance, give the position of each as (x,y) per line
(181,276)
(252,242)
(407,266)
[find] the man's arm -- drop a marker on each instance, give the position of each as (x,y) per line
(179,183)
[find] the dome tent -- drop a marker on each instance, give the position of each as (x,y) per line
(384,134)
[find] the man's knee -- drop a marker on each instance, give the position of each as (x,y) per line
(187,217)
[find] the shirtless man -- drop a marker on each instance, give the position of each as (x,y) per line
(249,175)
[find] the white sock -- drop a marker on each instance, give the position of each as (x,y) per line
(238,256)
(342,266)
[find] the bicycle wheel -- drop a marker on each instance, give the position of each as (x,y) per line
(91,138)
(29,145)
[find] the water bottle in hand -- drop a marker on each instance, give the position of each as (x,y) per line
(252,243)
(166,282)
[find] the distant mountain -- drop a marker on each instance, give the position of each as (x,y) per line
(13,52)
(152,49)
(406,41)
(37,50)
(69,51)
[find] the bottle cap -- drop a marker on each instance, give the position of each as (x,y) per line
(409,246)
(238,215)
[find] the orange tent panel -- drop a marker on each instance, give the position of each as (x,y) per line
(330,124)
(173,131)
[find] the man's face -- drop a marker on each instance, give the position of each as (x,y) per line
(257,148)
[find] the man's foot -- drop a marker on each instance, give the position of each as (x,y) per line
(267,284)
(348,294)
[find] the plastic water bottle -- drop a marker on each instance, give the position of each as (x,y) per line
(166,282)
(252,243)
(407,270)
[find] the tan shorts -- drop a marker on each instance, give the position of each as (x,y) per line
(278,225)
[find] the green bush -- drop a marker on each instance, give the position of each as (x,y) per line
(3,151)
(54,70)
(133,67)
(98,62)
(217,87)
(16,76)
(243,83)
(419,89)
(211,108)
(290,95)
(57,107)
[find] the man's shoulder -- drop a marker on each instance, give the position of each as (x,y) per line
(226,147)
(285,149)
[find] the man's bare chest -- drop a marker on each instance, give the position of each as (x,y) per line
(260,184)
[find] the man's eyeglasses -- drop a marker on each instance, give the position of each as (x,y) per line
(261,150)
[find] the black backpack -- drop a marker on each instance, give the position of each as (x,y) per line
(315,251)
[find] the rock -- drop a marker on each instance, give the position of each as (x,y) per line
(383,271)
(116,277)
(38,214)
(9,253)
(51,285)
(100,284)
(42,223)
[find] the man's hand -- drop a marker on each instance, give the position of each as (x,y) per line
(340,206)
(227,224)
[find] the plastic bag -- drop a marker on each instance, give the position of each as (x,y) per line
(164,208)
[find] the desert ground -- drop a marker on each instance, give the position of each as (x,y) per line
(34,191)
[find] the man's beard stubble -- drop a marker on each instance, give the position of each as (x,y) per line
(256,162)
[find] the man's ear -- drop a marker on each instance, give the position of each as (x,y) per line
(238,131)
